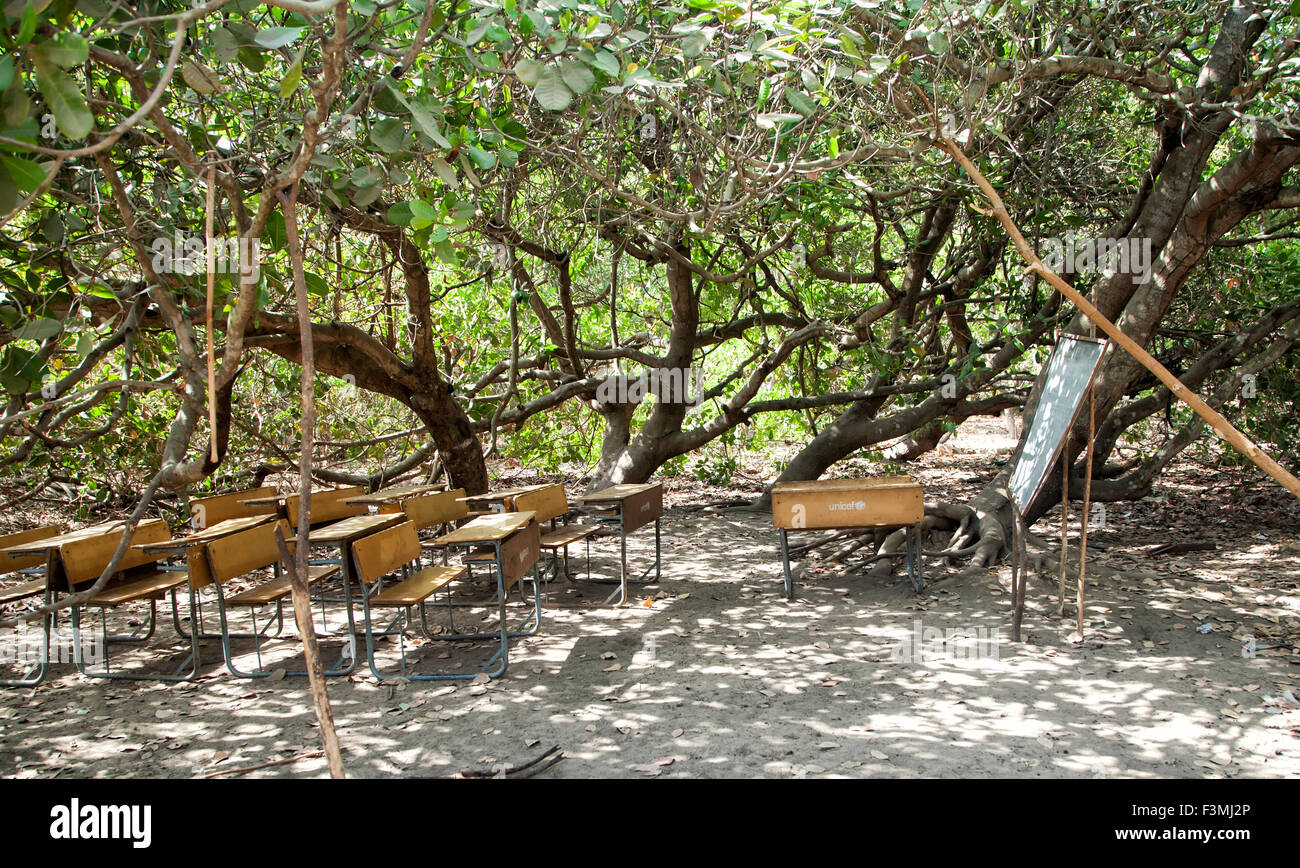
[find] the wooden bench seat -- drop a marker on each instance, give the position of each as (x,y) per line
(278,589)
(247,552)
(418,587)
(567,535)
(151,585)
(22,592)
(552,505)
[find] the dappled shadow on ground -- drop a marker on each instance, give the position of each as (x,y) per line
(720,676)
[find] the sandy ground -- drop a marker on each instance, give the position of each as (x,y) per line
(720,676)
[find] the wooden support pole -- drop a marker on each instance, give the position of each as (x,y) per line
(1065,520)
(1086,515)
(297,565)
(212,291)
(1222,426)
(1017,570)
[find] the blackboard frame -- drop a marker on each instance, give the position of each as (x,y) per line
(1065,351)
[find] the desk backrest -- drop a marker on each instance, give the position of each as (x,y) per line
(240,553)
(549,502)
(431,510)
(207,511)
(327,505)
(84,559)
(380,553)
(8,564)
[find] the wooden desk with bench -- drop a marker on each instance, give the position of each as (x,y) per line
(76,559)
(515,541)
(387,496)
(500,500)
(25,566)
(12,560)
(630,507)
(341,535)
(844,504)
(327,504)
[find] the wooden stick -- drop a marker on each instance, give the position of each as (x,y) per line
(297,565)
(212,290)
(279,762)
(1017,573)
(1086,516)
(1222,426)
(1065,518)
(515,771)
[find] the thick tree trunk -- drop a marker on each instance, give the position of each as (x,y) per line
(450,429)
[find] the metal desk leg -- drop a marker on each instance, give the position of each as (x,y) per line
(621,592)
(504,653)
(36,674)
(658,555)
(785,563)
(913,536)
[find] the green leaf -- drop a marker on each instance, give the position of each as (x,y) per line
(551,91)
(293,77)
(483,159)
(423,214)
(27,174)
(800,102)
(365,195)
(422,209)
(693,44)
(277,37)
(15,106)
(446,252)
(225,43)
(6,73)
(8,192)
(64,98)
(366,176)
(446,173)
(400,214)
(577,76)
(200,78)
(316,284)
(388,135)
(27,28)
(274,234)
(606,63)
(421,116)
(65,49)
(251,59)
(528,71)
(938,42)
(38,330)
(768,120)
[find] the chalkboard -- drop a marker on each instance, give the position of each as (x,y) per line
(1070,370)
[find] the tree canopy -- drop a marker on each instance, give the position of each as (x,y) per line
(506,207)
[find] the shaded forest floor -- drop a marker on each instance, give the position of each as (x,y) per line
(720,676)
